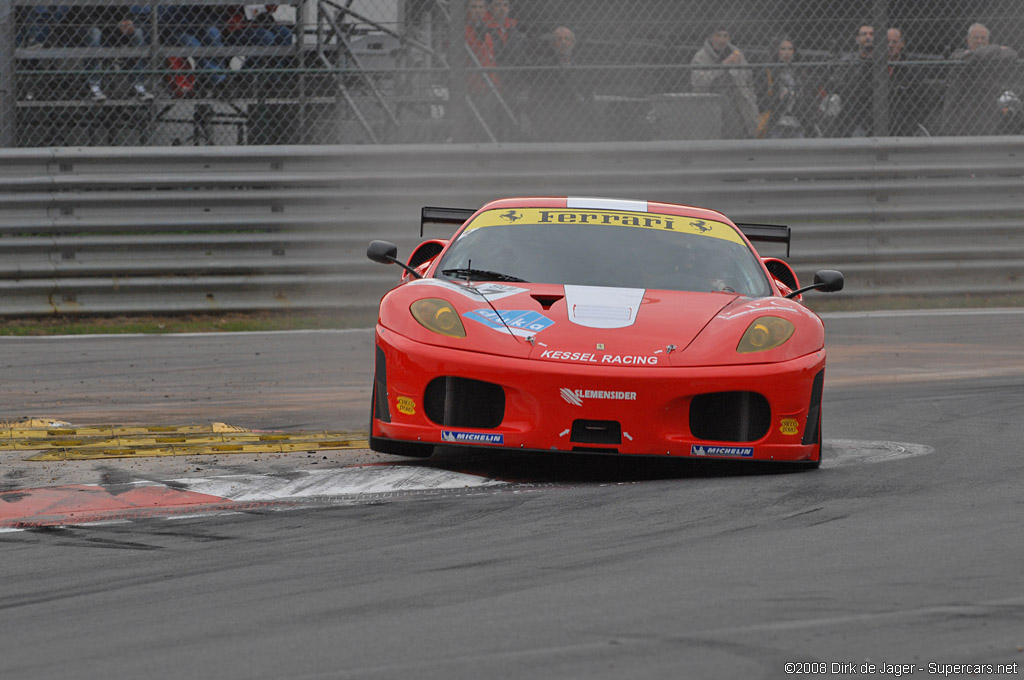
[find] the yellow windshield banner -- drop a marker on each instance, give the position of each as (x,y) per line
(613,218)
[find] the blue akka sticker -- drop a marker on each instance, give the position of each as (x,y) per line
(520,321)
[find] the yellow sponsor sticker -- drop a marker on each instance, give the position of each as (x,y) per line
(612,218)
(789,426)
(406,405)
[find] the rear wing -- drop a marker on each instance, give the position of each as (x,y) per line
(454,216)
(768,233)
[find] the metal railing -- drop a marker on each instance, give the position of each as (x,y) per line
(112,230)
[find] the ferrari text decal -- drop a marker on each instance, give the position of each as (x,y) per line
(615,218)
(651,220)
(576,397)
(527,322)
(730,451)
(456,437)
(590,357)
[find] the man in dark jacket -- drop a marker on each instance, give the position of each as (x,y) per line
(979,100)
(561,103)
(851,81)
(907,98)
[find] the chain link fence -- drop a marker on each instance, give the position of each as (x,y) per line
(149,72)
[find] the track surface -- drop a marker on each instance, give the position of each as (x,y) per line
(591,567)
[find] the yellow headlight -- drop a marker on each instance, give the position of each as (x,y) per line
(438,316)
(767,332)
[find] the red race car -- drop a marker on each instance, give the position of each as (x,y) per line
(601,326)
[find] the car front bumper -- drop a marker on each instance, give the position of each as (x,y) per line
(549,406)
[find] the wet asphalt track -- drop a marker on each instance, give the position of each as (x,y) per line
(595,568)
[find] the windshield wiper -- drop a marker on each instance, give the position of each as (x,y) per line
(480,275)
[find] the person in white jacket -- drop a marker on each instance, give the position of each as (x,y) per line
(735,85)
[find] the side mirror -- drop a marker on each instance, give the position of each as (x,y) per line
(825,280)
(386,252)
(383,252)
(829,280)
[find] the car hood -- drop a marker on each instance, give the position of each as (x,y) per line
(593,324)
(624,326)
(630,327)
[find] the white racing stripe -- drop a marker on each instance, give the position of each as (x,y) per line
(603,307)
(582,203)
(341,482)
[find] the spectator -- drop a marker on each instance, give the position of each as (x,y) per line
(509,50)
(481,45)
(37,23)
(978,36)
(195,26)
(851,80)
(257,25)
(111,27)
(36,26)
(735,85)
(561,102)
(979,100)
(504,31)
(785,98)
(906,92)
(482,87)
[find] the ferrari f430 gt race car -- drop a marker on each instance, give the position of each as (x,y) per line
(599,325)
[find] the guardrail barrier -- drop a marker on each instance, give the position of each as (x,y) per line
(162,230)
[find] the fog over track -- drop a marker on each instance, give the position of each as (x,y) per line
(904,548)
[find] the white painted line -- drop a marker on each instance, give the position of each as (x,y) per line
(194,515)
(108,336)
(898,313)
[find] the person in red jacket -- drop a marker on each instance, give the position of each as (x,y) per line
(482,86)
(501,26)
(481,44)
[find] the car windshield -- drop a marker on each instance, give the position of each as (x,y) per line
(604,248)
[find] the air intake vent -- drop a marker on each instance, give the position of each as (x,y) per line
(730,416)
(782,273)
(380,388)
(424,253)
(596,432)
(811,435)
(462,402)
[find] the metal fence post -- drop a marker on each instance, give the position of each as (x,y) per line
(8,96)
(880,69)
(457,69)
